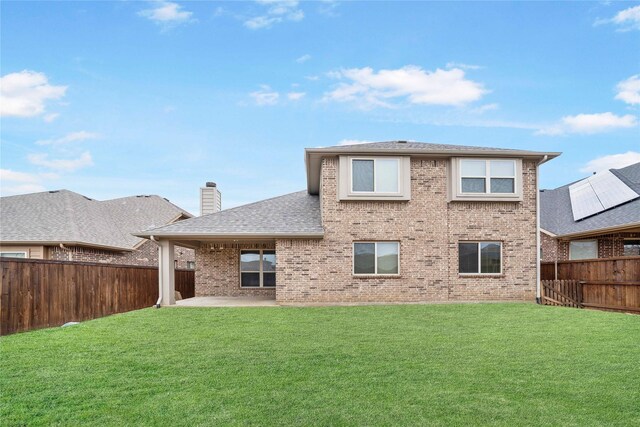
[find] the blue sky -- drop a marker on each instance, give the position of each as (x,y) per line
(111,99)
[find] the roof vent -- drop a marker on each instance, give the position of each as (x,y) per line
(54,191)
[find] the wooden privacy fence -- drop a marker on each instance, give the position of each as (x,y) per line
(41,293)
(607,284)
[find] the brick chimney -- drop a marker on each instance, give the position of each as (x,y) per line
(210,199)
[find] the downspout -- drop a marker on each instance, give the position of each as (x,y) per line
(538,243)
(157,304)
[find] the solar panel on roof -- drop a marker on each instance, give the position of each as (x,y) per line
(598,193)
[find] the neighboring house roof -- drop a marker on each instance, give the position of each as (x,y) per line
(313,156)
(294,215)
(63,216)
(556,214)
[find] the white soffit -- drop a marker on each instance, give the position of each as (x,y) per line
(598,193)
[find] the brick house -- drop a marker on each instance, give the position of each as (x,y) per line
(597,217)
(63,225)
(379,222)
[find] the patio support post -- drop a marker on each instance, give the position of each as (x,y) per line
(166,273)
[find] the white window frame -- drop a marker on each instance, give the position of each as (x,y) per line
(345,179)
(479,273)
(456,193)
(375,258)
(261,251)
(14,252)
(375,162)
(583,241)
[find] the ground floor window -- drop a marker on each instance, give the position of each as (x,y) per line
(258,268)
(480,257)
(631,247)
(191,265)
(13,254)
(376,258)
(583,249)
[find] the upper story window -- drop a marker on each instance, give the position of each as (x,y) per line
(486,179)
(374,178)
(375,175)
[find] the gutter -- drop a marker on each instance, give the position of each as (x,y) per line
(247,236)
(588,233)
(538,240)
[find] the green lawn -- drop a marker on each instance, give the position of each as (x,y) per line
(499,364)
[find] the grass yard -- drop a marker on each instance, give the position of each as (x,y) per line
(499,364)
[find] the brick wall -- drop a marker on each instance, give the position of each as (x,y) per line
(146,254)
(549,247)
(428,229)
(218,272)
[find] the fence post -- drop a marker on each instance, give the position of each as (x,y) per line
(580,283)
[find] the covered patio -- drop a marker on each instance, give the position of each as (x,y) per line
(236,249)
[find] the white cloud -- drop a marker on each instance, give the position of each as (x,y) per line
(15,182)
(313,78)
(70,137)
(166,13)
(303,58)
(265,96)
(15,176)
(277,11)
(629,90)
(295,96)
(484,108)
(63,165)
(25,93)
(463,66)
(613,161)
(328,8)
(12,189)
(353,142)
(369,88)
(626,20)
(50,118)
(590,124)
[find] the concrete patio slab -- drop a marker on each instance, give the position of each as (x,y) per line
(256,301)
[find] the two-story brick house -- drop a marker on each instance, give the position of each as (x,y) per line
(380,222)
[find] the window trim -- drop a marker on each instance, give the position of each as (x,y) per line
(375,162)
(345,179)
(375,258)
(584,240)
(480,273)
(15,252)
(455,189)
(261,272)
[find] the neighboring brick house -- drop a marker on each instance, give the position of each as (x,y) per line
(379,222)
(597,217)
(63,225)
